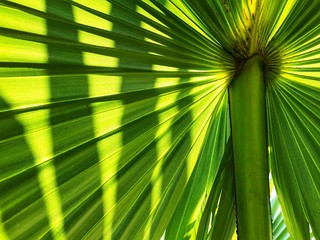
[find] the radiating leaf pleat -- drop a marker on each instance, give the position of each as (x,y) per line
(185,221)
(218,216)
(292,44)
(279,228)
(300,169)
(293,99)
(114,115)
(106,108)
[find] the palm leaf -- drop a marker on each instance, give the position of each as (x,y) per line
(279,228)
(114,116)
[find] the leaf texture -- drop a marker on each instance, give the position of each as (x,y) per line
(293,115)
(114,116)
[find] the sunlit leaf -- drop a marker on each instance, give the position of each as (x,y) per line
(114,116)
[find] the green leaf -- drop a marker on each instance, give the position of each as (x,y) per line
(185,220)
(114,115)
(224,222)
(279,228)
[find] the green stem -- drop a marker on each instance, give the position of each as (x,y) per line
(249,139)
